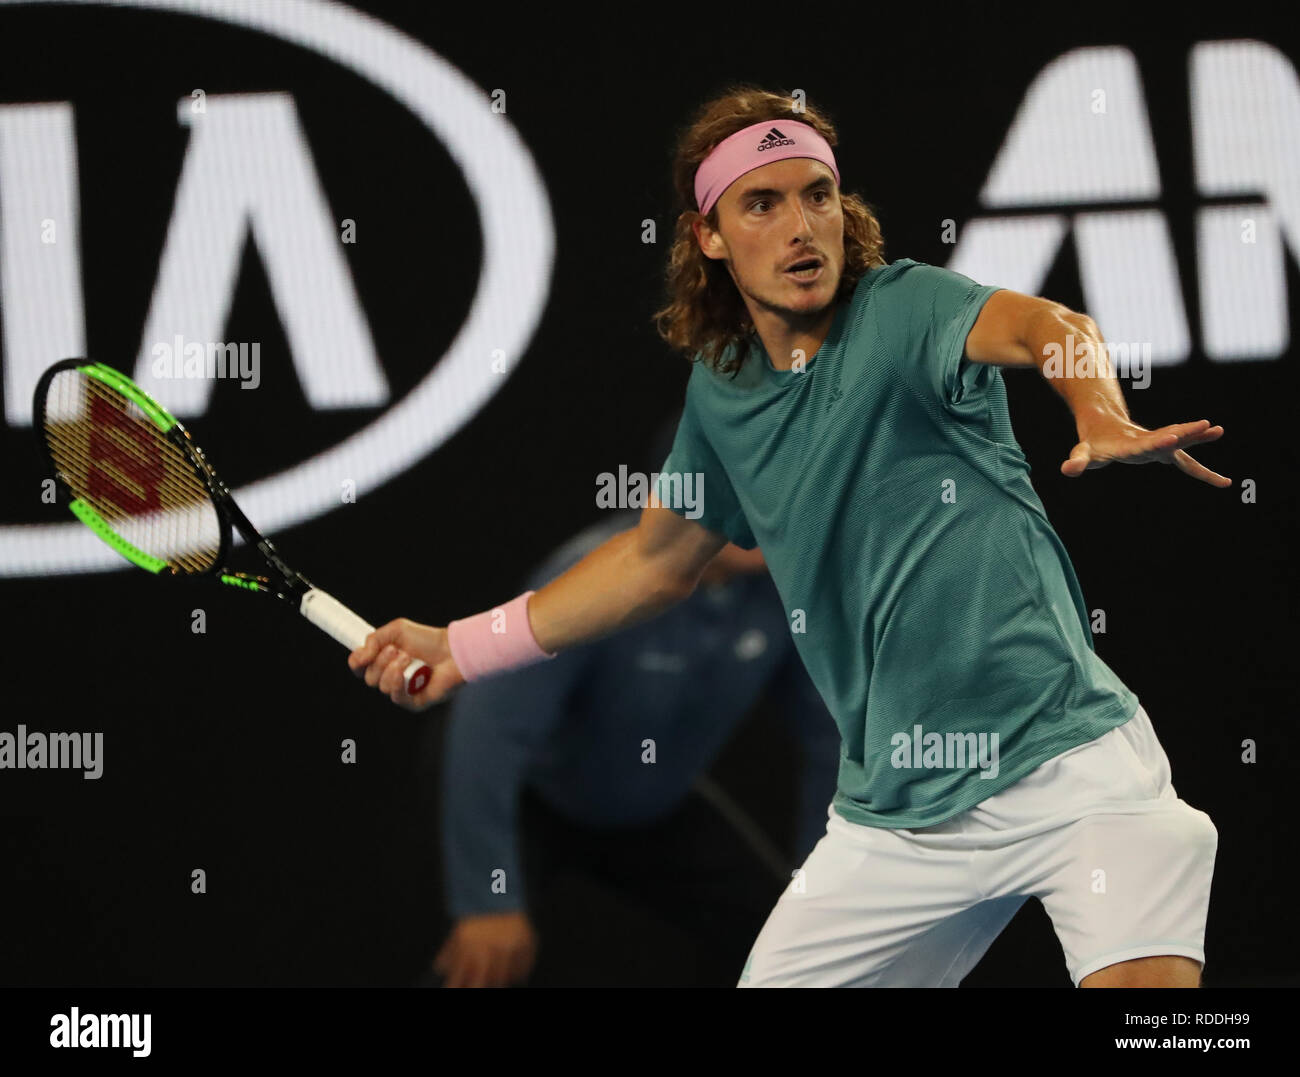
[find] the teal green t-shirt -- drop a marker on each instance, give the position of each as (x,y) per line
(934,606)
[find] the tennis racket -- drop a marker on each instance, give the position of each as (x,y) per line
(134,476)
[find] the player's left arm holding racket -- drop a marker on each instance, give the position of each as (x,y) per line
(633,576)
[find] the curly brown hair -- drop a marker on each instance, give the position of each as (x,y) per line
(705,313)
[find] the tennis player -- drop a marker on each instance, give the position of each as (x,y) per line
(849,416)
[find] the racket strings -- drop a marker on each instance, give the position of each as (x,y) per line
(113,457)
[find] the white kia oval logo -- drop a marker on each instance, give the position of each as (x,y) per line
(518,248)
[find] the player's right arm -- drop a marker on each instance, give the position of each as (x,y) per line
(631,577)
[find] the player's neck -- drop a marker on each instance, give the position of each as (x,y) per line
(787,341)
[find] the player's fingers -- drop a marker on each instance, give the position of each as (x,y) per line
(376,669)
(391,679)
(1188,466)
(365,654)
(390,660)
(1155,442)
(441,685)
(1077,464)
(1177,436)
(374,643)
(406,702)
(1182,430)
(362,656)
(1199,437)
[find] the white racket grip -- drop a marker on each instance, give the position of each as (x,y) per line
(334,619)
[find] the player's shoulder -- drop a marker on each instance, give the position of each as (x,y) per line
(881,285)
(906,275)
(907,288)
(899,275)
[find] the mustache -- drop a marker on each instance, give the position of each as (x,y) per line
(806,256)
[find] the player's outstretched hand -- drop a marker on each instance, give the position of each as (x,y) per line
(388,650)
(1125,441)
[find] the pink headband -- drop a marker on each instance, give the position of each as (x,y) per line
(753,147)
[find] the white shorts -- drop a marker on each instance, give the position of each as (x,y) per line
(1097,834)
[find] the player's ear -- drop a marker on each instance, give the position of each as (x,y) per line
(711,242)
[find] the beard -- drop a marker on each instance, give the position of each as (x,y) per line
(798,317)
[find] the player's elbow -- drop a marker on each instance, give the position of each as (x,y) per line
(672,552)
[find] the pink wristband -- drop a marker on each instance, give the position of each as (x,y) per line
(479,651)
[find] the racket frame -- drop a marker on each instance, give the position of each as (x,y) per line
(291,587)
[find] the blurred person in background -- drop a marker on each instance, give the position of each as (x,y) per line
(596,763)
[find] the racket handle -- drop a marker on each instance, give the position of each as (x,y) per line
(333,618)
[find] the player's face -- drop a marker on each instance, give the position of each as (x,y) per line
(778,215)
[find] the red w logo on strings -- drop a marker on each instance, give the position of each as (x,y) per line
(121,450)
